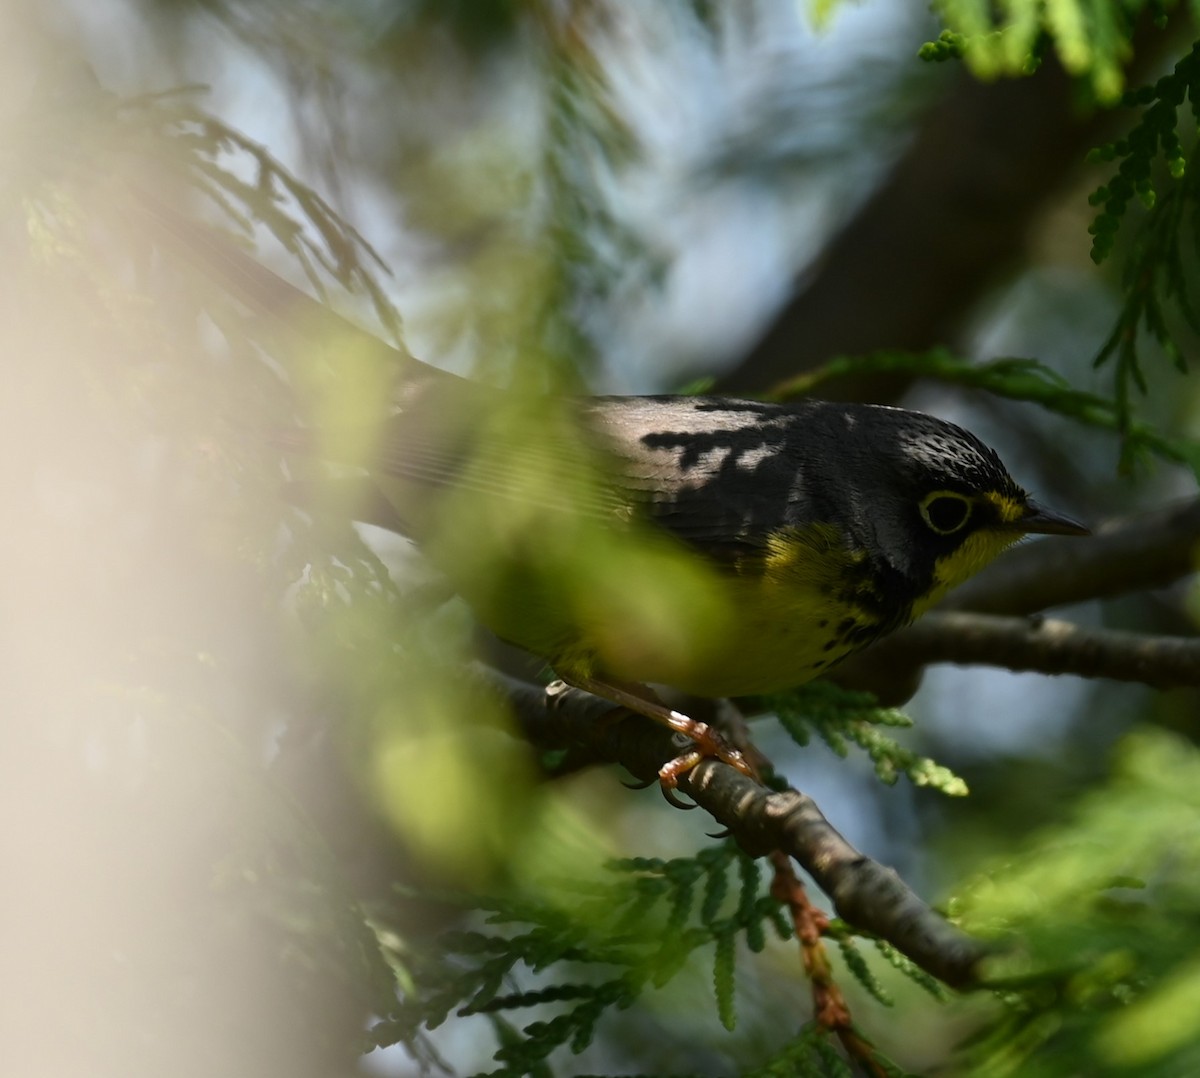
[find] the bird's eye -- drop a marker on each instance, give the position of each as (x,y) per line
(946,512)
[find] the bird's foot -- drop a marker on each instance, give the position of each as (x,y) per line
(709,742)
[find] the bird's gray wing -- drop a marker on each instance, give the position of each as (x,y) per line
(719,473)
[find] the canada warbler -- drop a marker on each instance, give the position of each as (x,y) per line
(814,527)
(823,526)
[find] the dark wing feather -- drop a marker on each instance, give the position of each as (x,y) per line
(719,473)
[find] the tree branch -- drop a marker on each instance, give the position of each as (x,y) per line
(865,893)
(1047,646)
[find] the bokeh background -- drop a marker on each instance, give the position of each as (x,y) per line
(231,728)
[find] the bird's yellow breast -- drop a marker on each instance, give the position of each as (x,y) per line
(792,615)
(787,617)
(805,606)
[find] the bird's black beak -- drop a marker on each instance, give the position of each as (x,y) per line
(1038,520)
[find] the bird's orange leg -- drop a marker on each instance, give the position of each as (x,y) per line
(641,699)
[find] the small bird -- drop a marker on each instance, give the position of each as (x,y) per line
(813,528)
(720,546)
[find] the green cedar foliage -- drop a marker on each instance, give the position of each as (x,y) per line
(545,974)
(1016,379)
(1098,921)
(841,718)
(1091,37)
(1158,167)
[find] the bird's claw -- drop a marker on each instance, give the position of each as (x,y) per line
(709,743)
(706,740)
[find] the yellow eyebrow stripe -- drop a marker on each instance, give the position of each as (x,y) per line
(1008,509)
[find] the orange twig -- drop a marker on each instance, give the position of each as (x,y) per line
(829,1005)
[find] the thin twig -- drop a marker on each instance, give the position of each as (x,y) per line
(830,1008)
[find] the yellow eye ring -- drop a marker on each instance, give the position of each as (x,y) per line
(946,512)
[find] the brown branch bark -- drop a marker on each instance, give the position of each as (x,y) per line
(1046,646)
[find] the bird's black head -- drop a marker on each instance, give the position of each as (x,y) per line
(933,501)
